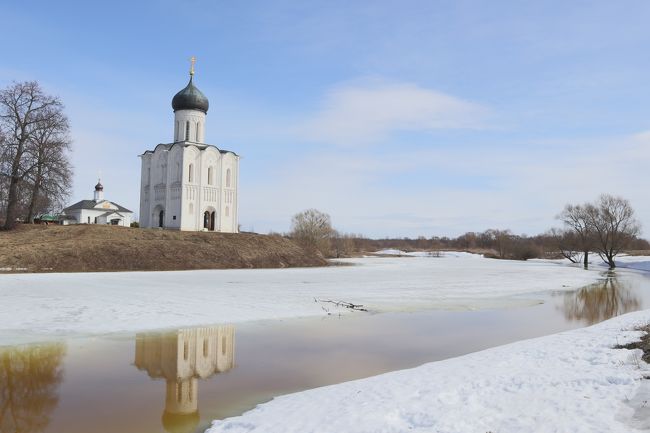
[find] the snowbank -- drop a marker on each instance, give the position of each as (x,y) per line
(569,382)
(38,305)
(640,263)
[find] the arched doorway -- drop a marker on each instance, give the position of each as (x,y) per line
(161,218)
(209,219)
(206,220)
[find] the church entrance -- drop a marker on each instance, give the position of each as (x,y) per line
(161,218)
(209,220)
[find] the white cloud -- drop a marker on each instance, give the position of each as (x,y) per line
(371,110)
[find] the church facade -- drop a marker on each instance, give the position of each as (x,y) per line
(97,211)
(188,184)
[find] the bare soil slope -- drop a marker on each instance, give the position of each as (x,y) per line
(95,248)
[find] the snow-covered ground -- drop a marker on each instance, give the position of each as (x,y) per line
(640,263)
(37,306)
(569,382)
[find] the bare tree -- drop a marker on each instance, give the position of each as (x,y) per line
(51,178)
(568,244)
(576,218)
(614,226)
(24,110)
(312,229)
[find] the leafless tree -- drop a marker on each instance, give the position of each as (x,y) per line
(576,218)
(567,243)
(51,178)
(25,110)
(312,229)
(614,226)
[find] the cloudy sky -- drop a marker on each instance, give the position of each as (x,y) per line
(399,118)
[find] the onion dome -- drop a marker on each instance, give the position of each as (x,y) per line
(190,98)
(99,186)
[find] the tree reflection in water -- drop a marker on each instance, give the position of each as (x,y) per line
(29,381)
(600,301)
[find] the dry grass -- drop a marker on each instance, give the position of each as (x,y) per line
(90,248)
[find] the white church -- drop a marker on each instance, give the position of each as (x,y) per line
(188,184)
(97,211)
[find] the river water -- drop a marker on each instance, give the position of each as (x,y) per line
(181,380)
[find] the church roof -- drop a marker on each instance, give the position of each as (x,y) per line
(202,146)
(190,98)
(90,204)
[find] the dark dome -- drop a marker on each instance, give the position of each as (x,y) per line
(190,98)
(99,186)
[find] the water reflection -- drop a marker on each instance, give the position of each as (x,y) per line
(600,301)
(29,385)
(182,358)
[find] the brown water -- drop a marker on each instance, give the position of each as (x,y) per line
(181,380)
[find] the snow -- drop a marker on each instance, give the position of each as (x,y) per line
(569,382)
(640,263)
(35,307)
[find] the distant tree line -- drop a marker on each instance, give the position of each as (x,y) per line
(35,169)
(606,227)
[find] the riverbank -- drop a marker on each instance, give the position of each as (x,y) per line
(103,248)
(574,381)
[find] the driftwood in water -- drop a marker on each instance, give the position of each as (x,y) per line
(349,305)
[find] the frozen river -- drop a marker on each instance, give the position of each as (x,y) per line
(103,366)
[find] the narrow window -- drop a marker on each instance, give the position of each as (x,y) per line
(191,208)
(227,211)
(196,133)
(186,351)
(228,178)
(223,345)
(88,220)
(190,390)
(205,347)
(187,131)
(209,175)
(176,131)
(190,174)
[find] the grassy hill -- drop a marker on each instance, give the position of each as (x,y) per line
(97,248)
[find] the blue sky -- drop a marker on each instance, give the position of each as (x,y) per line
(399,118)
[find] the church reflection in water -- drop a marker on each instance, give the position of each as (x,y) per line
(182,358)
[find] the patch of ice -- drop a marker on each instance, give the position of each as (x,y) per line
(98,303)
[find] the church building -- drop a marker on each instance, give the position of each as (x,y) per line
(188,184)
(97,211)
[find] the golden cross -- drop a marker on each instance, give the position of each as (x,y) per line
(192,61)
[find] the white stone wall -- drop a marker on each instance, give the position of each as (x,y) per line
(184,181)
(94,216)
(189,125)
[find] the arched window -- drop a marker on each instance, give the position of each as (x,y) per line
(187,131)
(228,178)
(210,174)
(190,173)
(196,134)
